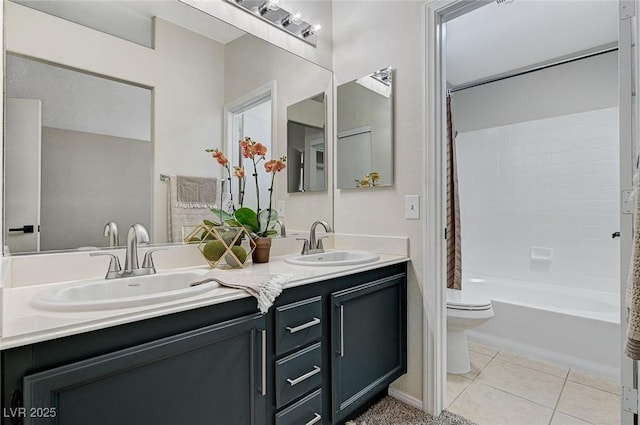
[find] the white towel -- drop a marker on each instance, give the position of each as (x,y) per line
(632,294)
(265,288)
(178,218)
(196,192)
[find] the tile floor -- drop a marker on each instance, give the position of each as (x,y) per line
(508,389)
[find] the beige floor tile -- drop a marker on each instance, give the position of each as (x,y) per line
(545,367)
(590,404)
(486,405)
(478,362)
(455,385)
(522,381)
(482,349)
(595,382)
(562,419)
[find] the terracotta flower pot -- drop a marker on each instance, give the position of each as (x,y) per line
(261,253)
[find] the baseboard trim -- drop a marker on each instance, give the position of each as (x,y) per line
(405,398)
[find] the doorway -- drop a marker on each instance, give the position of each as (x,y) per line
(437,78)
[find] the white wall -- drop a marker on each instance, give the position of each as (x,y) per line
(367,39)
(188,85)
(88,180)
(550,183)
(578,86)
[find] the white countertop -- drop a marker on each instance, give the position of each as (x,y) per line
(24,324)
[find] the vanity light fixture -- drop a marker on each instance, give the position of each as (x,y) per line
(290,22)
(269,5)
(311,29)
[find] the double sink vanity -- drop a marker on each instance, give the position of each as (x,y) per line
(155,350)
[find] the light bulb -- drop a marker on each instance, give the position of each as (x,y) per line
(311,29)
(296,18)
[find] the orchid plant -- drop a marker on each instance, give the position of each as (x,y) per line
(261,222)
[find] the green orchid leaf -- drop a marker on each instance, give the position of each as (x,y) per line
(271,232)
(248,218)
(263,218)
(220,215)
(210,223)
(234,223)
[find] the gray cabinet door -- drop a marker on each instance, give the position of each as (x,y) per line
(209,376)
(368,341)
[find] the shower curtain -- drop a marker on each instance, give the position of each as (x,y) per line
(454,248)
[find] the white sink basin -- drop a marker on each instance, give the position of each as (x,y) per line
(333,258)
(123,292)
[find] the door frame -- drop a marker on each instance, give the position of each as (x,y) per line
(628,113)
(437,12)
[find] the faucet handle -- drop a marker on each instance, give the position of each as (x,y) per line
(305,246)
(114,264)
(319,243)
(147,262)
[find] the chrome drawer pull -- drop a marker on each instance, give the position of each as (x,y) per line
(314,322)
(307,375)
(315,420)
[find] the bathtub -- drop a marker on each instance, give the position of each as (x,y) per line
(568,326)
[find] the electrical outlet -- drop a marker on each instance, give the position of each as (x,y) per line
(280,208)
(412,207)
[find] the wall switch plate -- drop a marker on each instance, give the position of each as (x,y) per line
(280,208)
(412,207)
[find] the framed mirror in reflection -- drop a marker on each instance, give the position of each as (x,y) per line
(364,147)
(306,145)
(113,111)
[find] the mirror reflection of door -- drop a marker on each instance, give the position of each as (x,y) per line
(23,136)
(252,118)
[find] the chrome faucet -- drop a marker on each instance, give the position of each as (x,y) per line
(283,230)
(111,231)
(314,245)
(137,234)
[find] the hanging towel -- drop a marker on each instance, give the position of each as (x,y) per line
(632,294)
(180,221)
(265,288)
(196,192)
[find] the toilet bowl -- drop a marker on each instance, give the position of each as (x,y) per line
(464,311)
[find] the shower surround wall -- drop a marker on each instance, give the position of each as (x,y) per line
(548,183)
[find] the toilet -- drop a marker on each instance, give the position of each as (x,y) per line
(464,311)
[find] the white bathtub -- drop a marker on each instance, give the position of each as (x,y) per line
(568,326)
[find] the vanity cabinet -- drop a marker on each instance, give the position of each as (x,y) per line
(323,354)
(368,341)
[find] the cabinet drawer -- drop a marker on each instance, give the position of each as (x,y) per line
(307,411)
(298,324)
(298,374)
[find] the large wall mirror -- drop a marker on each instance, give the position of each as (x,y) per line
(115,94)
(364,152)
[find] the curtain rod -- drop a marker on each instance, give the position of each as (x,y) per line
(584,54)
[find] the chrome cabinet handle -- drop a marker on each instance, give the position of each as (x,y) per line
(314,322)
(264,362)
(342,331)
(315,420)
(307,375)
